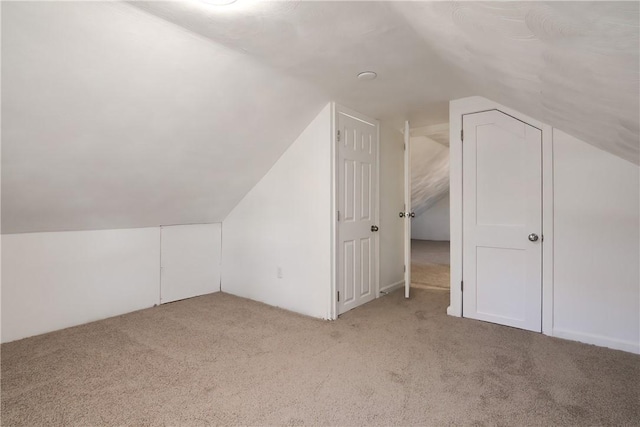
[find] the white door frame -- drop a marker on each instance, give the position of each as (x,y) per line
(476,104)
(333,303)
(408,209)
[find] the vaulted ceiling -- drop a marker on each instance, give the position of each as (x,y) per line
(429,173)
(147,113)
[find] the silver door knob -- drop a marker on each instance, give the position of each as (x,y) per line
(533,237)
(401,214)
(374,228)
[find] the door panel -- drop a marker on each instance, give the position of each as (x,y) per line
(501,278)
(495,201)
(357,205)
(502,205)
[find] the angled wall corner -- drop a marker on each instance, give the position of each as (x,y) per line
(433,224)
(276,244)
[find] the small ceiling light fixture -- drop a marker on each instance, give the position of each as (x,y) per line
(219,2)
(367,75)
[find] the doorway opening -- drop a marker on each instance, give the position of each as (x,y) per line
(430,223)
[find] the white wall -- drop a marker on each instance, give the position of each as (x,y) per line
(52,281)
(190,261)
(433,224)
(597,238)
(284,224)
(56,280)
(391,203)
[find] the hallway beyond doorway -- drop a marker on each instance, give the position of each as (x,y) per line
(430,264)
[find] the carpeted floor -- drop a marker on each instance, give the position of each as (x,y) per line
(219,359)
(430,264)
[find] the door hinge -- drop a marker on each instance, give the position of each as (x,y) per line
(404,268)
(462,135)
(461,286)
(338,295)
(404,147)
(338,216)
(338,136)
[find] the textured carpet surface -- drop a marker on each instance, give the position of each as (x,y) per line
(219,359)
(430,264)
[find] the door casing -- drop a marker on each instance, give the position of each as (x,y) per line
(476,104)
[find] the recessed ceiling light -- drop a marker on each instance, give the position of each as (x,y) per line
(218,2)
(367,75)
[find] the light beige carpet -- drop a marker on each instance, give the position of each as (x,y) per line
(430,264)
(223,360)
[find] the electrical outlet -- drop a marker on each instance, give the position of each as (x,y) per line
(279,272)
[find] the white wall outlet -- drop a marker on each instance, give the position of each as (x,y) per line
(279,272)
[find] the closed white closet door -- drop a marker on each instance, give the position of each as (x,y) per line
(357,151)
(190,261)
(502,220)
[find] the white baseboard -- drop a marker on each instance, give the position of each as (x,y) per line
(392,287)
(599,340)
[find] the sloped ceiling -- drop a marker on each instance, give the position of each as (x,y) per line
(429,173)
(148,113)
(114,119)
(574,65)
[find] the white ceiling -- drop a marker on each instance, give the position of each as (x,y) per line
(574,65)
(148,113)
(115,119)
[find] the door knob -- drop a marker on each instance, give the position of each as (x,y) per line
(374,228)
(533,237)
(401,214)
(407,214)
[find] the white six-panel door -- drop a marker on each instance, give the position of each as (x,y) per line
(357,150)
(502,220)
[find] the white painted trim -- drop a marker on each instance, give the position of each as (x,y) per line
(475,104)
(547,229)
(333,309)
(598,340)
(456,109)
(392,287)
(354,114)
(377,254)
(335,109)
(407,208)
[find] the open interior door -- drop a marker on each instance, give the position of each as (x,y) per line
(407,214)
